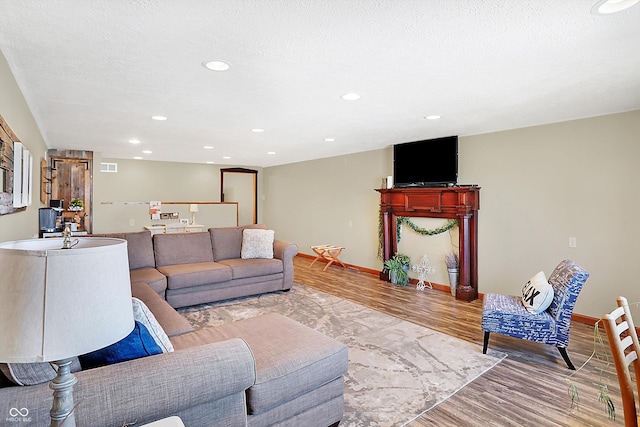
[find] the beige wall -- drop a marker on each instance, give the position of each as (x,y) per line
(540,186)
(142,181)
(544,184)
(20,225)
(329,201)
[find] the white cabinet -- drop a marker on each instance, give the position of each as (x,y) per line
(174,227)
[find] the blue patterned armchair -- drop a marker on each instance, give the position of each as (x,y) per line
(506,315)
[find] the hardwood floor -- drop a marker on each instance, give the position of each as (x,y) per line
(528,388)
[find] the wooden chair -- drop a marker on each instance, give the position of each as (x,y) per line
(625,349)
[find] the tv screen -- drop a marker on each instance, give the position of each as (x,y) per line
(428,163)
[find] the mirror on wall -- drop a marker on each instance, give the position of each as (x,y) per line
(241,185)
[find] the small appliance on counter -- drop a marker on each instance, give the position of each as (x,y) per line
(48,219)
(58,207)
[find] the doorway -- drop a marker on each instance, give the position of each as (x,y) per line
(241,185)
(71,178)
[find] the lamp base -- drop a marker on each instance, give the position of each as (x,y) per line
(62,386)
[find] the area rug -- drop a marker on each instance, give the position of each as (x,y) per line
(397,370)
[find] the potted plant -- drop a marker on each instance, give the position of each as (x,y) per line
(398,268)
(451,260)
(76,205)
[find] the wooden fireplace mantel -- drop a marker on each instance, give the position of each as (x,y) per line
(460,202)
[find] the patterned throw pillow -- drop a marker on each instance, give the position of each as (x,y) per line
(537,294)
(257,243)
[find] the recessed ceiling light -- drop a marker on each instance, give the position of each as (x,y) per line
(216,65)
(257,130)
(329,139)
(271,152)
(607,7)
(350,96)
(432,117)
(208,147)
(227,158)
(134,141)
(147,152)
(137,158)
(210,162)
(159,118)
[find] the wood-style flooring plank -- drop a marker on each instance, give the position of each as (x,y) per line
(528,388)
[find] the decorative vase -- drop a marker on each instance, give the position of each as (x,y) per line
(453,280)
(393,277)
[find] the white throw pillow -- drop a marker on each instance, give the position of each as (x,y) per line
(142,314)
(537,294)
(257,243)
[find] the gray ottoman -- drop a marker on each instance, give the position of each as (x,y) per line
(298,370)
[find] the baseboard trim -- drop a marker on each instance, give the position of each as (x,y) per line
(580,318)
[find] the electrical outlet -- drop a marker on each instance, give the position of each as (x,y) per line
(350,223)
(572,242)
(132,222)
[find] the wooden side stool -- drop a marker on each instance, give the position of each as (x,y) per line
(328,253)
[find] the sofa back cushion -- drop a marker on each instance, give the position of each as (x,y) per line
(226,242)
(182,248)
(140,248)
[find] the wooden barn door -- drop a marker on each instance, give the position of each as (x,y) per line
(71,178)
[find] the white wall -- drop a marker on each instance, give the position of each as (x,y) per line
(14,109)
(540,186)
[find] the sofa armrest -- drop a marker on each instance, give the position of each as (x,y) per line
(146,389)
(285,251)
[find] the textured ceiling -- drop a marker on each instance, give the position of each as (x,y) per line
(93,72)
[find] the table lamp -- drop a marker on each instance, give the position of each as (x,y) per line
(58,303)
(193,208)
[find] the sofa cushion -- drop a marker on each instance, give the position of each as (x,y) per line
(140,247)
(137,344)
(226,242)
(257,244)
(182,248)
(289,363)
(196,274)
(242,268)
(150,276)
(172,323)
(143,315)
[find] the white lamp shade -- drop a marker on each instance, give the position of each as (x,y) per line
(58,303)
(193,208)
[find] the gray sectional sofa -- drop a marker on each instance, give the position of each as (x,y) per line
(193,268)
(264,371)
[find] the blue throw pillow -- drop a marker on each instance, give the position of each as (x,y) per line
(139,343)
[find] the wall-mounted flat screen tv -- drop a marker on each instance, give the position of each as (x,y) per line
(428,163)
